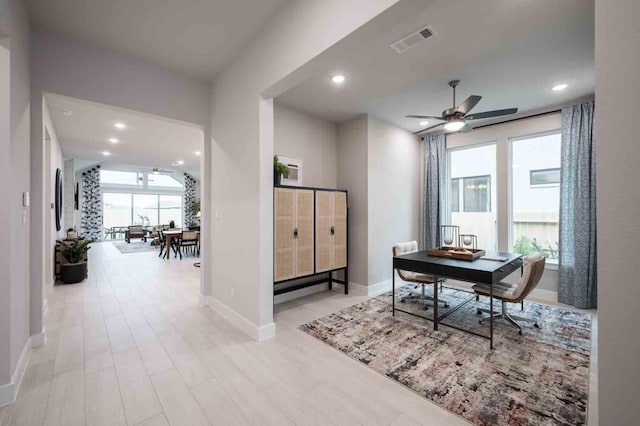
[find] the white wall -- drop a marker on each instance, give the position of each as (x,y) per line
(353,176)
(500,134)
(618,207)
(310,139)
(14,288)
(243,148)
(394,183)
(69,188)
(67,67)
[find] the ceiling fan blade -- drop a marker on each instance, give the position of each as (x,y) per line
(468,105)
(490,114)
(428,117)
(427,128)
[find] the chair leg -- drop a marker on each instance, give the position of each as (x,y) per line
(504,315)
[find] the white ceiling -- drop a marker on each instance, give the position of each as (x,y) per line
(194,36)
(147,141)
(511,52)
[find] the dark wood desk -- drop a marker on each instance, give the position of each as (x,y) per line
(480,271)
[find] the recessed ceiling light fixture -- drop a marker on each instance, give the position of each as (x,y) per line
(106,153)
(424,123)
(454,125)
(114,140)
(180,162)
(197,153)
(559,87)
(120,125)
(338,79)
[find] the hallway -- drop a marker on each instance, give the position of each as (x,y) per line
(131,346)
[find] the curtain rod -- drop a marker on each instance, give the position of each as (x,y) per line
(540,114)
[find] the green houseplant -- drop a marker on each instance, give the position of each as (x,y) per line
(75,254)
(279,170)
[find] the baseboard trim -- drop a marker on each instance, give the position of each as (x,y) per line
(204,300)
(374,289)
(264,332)
(39,339)
(9,391)
(286,297)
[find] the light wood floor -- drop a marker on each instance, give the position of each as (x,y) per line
(131,346)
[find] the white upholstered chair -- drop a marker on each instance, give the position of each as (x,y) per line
(515,293)
(414,277)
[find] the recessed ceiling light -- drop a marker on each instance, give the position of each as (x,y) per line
(338,79)
(180,162)
(559,87)
(197,153)
(424,123)
(106,153)
(114,140)
(120,125)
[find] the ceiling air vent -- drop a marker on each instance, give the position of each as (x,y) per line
(413,39)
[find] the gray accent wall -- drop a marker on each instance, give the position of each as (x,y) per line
(618,206)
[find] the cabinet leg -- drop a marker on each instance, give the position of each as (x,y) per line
(346,281)
(330,280)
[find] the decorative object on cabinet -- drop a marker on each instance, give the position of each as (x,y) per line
(310,237)
(279,170)
(294,174)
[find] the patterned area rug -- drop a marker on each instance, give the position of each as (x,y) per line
(540,377)
(134,247)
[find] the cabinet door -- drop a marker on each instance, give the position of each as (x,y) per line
(304,226)
(324,216)
(283,239)
(339,258)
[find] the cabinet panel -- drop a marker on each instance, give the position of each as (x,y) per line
(283,241)
(304,224)
(323,230)
(340,230)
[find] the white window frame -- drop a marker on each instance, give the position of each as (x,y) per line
(550,264)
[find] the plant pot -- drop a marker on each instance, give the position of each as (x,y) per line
(73,272)
(277,178)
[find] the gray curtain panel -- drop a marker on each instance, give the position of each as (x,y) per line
(435,161)
(91,218)
(577,284)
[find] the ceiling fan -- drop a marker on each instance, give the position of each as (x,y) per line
(455,119)
(159,171)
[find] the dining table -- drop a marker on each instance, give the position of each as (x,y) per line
(170,235)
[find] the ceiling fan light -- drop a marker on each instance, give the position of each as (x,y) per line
(454,125)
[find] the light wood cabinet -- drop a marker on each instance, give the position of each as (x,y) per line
(310,235)
(293,233)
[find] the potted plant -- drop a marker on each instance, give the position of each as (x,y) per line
(72,234)
(279,170)
(75,253)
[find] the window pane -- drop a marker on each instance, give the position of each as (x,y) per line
(535,211)
(475,170)
(163,181)
(455,195)
(116,213)
(171,209)
(145,209)
(112,177)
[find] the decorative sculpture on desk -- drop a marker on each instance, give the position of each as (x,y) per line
(449,235)
(468,241)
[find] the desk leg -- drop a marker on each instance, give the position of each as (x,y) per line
(393,292)
(435,302)
(168,250)
(491,316)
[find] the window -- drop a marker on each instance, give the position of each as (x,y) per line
(113,177)
(116,210)
(535,194)
(544,177)
(145,209)
(170,209)
(163,181)
(472,204)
